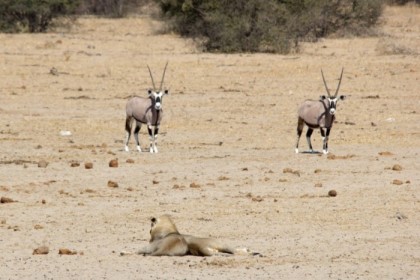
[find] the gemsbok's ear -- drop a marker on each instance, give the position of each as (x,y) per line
(322,97)
(149,92)
(166,91)
(342,97)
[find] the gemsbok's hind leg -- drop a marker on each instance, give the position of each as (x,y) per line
(136,135)
(299,133)
(128,123)
(308,138)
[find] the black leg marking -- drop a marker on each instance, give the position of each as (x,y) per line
(137,129)
(327,137)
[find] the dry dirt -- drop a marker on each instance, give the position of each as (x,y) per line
(226,166)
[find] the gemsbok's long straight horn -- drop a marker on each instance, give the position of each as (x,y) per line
(339,83)
(325,83)
(163,76)
(151,76)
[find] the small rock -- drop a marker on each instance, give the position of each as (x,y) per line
(65,133)
(318,185)
(289,170)
(331,156)
(43,250)
(257,198)
(400,216)
(54,71)
(113,163)
(317,171)
(65,251)
(154,182)
(42,164)
(332,193)
(397,182)
(38,227)
(112,184)
(75,164)
(88,165)
(129,160)
(386,153)
(397,167)
(43,201)
(4,199)
(194,185)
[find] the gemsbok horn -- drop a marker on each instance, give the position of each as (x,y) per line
(146,111)
(318,114)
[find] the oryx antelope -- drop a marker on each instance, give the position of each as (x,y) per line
(318,114)
(146,111)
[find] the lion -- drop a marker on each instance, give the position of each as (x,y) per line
(165,240)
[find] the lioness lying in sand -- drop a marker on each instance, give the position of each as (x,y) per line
(167,241)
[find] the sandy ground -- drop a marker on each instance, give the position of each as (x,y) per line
(226,166)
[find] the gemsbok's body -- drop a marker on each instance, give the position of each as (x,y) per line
(318,114)
(146,111)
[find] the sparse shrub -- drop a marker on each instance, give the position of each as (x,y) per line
(109,8)
(402,2)
(32,15)
(267,25)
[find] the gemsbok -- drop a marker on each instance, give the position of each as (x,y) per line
(318,114)
(146,111)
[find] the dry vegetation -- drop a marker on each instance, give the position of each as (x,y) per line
(226,166)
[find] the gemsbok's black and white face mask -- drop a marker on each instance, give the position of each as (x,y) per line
(332,102)
(157,97)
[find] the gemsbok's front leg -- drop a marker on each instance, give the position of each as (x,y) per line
(325,136)
(152,136)
(155,138)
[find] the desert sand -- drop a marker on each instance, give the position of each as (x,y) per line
(226,166)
